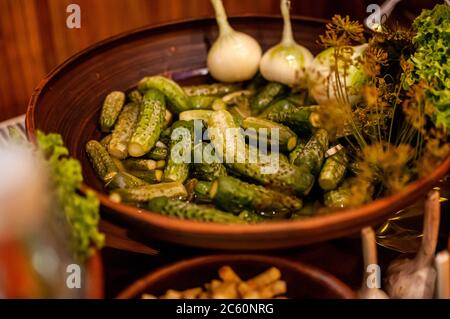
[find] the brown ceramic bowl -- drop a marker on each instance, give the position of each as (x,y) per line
(303,282)
(69,99)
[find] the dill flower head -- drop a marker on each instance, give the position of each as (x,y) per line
(342,32)
(372,60)
(333,116)
(390,163)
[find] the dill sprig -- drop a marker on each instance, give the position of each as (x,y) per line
(342,32)
(391,131)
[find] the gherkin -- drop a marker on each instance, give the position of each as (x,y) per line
(234,195)
(177,170)
(202,191)
(111,108)
(185,210)
(296,118)
(149,124)
(313,154)
(276,172)
(177,98)
(215,89)
(123,130)
(100,159)
(267,95)
(333,171)
(147,192)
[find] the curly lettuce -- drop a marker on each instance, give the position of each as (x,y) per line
(80,212)
(431,60)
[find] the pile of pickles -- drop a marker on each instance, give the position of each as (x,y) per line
(134,158)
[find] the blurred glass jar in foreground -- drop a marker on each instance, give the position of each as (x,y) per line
(34,250)
(402,232)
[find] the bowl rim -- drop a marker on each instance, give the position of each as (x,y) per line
(364,215)
(29,118)
(317,274)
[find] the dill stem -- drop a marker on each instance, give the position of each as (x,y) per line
(341,93)
(378,122)
(418,146)
(351,144)
(337,80)
(393,112)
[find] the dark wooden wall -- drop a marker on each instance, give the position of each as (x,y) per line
(34,37)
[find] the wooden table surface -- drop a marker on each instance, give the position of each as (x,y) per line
(34,40)
(126,258)
(34,37)
(125,262)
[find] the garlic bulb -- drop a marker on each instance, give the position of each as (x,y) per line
(287,61)
(322,82)
(369,289)
(416,278)
(234,56)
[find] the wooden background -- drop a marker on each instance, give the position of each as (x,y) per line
(34,37)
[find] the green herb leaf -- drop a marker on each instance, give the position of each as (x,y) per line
(431,60)
(80,212)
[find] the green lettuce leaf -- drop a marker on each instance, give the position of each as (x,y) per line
(431,60)
(80,212)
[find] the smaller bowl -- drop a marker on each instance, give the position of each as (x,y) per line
(303,282)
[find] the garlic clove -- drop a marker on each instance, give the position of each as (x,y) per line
(405,281)
(286,64)
(416,278)
(369,245)
(234,56)
(287,61)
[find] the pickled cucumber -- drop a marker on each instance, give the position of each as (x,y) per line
(100,159)
(135,96)
(287,176)
(123,130)
(287,139)
(209,172)
(345,196)
(142,164)
(202,102)
(149,125)
(149,176)
(112,106)
(185,210)
(333,171)
(267,95)
(177,98)
(234,195)
(158,153)
(122,179)
(215,89)
(313,153)
(177,170)
(295,153)
(201,191)
(147,192)
(195,115)
(296,118)
(105,141)
(251,217)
